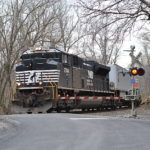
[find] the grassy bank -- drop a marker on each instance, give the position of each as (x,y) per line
(3,109)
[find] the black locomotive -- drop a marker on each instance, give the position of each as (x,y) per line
(50,79)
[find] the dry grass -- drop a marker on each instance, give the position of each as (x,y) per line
(3,110)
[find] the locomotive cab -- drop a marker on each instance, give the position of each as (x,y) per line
(39,61)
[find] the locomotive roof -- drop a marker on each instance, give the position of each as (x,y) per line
(42,50)
(51,49)
(94,63)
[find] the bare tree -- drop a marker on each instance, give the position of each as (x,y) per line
(145,80)
(22,24)
(26,23)
(101,44)
(123,16)
(122,13)
(69,25)
(66,32)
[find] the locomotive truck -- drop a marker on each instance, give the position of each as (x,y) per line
(50,79)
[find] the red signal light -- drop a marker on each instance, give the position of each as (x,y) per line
(135,71)
(141,71)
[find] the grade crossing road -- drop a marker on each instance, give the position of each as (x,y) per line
(73,132)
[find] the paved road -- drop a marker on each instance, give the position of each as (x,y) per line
(73,132)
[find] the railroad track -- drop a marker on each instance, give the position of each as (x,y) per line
(99,111)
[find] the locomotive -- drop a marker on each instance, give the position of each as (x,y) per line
(50,79)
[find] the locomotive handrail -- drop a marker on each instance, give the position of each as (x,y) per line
(53,84)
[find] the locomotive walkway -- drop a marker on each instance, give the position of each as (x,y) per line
(74,132)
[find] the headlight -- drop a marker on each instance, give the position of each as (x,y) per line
(19,84)
(40,83)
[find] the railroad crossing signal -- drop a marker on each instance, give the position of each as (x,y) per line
(141,71)
(137,71)
(134,71)
(134,59)
(134,83)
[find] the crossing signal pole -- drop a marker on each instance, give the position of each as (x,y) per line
(134,71)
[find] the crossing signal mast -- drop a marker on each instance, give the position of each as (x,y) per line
(136,69)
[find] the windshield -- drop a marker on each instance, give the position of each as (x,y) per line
(54,56)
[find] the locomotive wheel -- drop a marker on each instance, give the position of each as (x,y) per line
(67,110)
(93,109)
(49,110)
(58,110)
(98,108)
(88,109)
(114,107)
(83,109)
(102,108)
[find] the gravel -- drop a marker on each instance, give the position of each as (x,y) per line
(141,112)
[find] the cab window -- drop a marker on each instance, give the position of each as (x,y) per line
(65,59)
